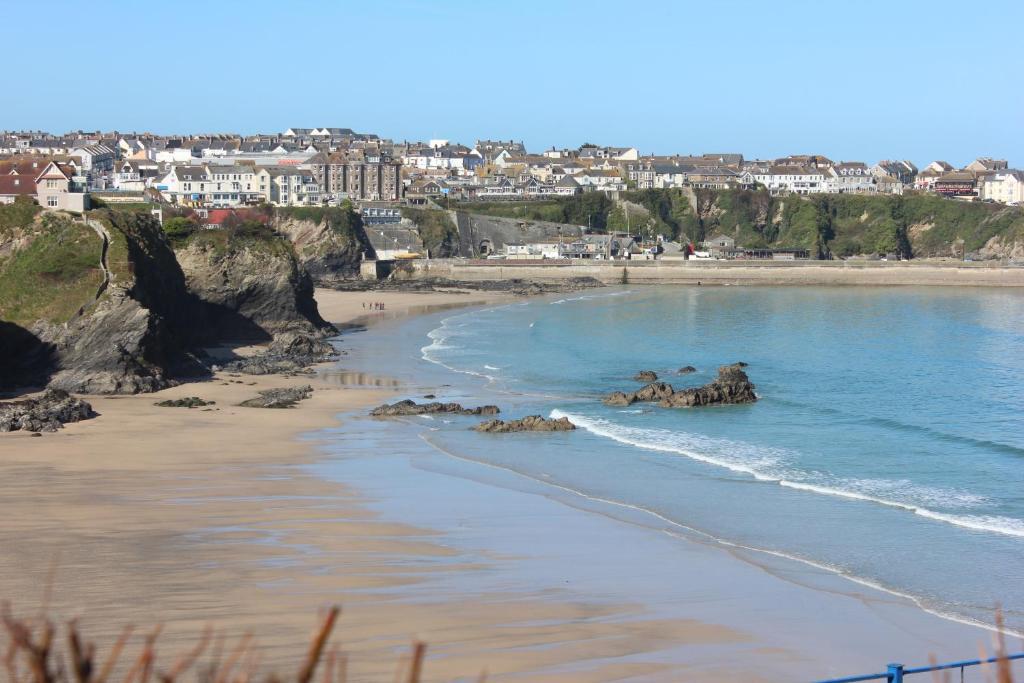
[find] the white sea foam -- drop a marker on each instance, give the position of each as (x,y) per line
(764,465)
(588,297)
(491,367)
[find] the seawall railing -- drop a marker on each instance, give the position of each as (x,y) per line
(895,673)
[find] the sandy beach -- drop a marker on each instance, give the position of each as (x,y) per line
(183,517)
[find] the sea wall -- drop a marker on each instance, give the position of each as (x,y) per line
(725,272)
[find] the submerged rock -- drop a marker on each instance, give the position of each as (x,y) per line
(686,370)
(646,376)
(408,407)
(731,386)
(530,423)
(279,398)
(48,413)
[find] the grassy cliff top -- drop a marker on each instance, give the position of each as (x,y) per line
(52,271)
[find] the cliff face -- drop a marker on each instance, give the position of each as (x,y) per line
(103,304)
(915,225)
(328,242)
(251,287)
(93,306)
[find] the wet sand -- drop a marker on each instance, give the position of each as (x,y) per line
(185,517)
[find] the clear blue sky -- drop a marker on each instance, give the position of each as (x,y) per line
(862,79)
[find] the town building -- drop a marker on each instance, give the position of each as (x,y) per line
(956,184)
(781,180)
(849,177)
(1005,186)
(57,189)
(368,174)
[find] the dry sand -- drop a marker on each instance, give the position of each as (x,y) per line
(183,517)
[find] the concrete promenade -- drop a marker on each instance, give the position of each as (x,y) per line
(905,273)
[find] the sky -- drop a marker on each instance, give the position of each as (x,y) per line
(853,80)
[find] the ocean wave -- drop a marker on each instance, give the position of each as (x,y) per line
(588,297)
(764,465)
(701,534)
(899,425)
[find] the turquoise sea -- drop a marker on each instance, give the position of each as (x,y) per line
(887,444)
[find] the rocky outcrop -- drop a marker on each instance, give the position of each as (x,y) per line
(646,376)
(187,402)
(731,386)
(1003,247)
(250,289)
(655,391)
(288,354)
(279,398)
(48,413)
(329,242)
(407,407)
(530,423)
(686,370)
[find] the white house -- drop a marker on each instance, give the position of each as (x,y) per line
(669,175)
(1005,187)
(290,186)
(791,179)
(134,174)
(849,177)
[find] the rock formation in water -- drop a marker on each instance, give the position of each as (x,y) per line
(530,423)
(686,370)
(48,413)
(646,376)
(655,391)
(407,407)
(731,386)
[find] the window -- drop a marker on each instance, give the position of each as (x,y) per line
(51,201)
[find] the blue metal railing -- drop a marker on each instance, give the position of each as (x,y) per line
(895,672)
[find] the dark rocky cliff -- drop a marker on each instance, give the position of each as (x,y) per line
(93,306)
(102,304)
(250,286)
(329,243)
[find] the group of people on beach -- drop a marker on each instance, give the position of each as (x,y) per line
(373,305)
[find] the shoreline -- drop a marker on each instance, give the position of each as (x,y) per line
(185,516)
(921,630)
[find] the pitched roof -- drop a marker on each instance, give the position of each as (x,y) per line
(23,185)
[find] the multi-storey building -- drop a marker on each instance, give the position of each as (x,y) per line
(1004,186)
(368,174)
(849,177)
